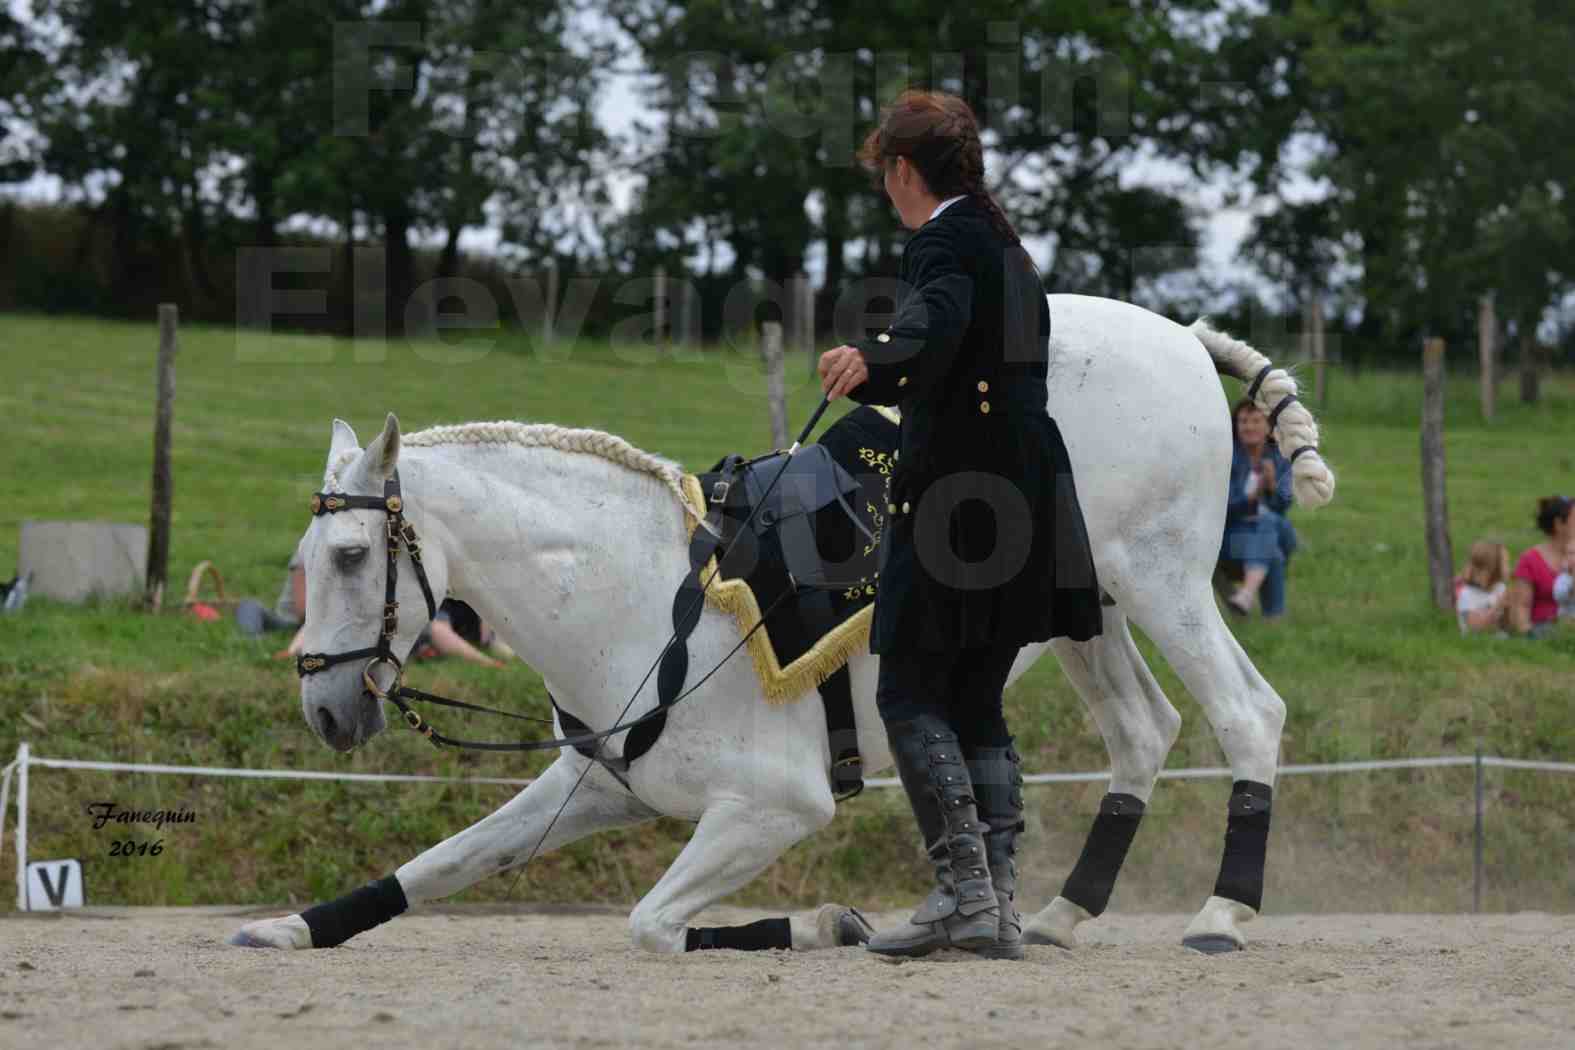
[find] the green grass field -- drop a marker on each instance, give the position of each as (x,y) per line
(1367,667)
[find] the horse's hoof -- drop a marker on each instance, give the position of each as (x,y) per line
(1211,944)
(1056,924)
(1035,937)
(289,933)
(1217,928)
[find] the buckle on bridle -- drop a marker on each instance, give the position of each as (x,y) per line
(719,491)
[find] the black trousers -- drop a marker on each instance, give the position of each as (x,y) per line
(961,686)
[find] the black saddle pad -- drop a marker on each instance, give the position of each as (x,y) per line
(816,539)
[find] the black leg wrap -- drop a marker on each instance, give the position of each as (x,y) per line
(356,912)
(1094,877)
(757,936)
(1246,842)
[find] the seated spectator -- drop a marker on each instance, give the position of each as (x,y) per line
(289,609)
(456,631)
(1545,575)
(1258,536)
(1481,597)
(1566,598)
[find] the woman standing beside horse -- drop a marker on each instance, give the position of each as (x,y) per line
(985,550)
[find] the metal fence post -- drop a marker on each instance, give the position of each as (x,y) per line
(21,827)
(1476,885)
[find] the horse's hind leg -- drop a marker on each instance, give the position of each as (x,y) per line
(1247,716)
(736,840)
(494,844)
(1139,726)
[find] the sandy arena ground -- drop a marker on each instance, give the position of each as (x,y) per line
(473,976)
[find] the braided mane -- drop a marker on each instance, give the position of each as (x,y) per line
(597,443)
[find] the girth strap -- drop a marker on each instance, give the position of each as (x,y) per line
(847,765)
(614,764)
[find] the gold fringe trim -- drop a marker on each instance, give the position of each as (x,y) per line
(827,656)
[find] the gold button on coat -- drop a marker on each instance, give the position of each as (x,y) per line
(905,506)
(884,337)
(984,406)
(983,386)
(902,380)
(891,508)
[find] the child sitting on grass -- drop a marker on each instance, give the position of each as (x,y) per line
(1480,598)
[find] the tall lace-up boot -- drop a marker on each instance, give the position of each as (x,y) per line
(962,911)
(997,774)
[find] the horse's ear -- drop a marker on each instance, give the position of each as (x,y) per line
(343,441)
(382,455)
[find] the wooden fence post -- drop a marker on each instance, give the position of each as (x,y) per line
(776,382)
(1487,347)
(549,313)
(801,296)
(1319,355)
(660,336)
(163,482)
(688,333)
(1440,558)
(1530,381)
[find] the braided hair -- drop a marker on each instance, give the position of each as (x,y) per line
(939,135)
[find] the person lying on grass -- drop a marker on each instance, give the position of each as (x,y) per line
(457,631)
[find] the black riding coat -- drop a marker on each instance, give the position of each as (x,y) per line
(985,542)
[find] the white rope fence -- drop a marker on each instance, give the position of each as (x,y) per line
(25,759)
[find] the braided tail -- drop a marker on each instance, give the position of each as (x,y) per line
(1312,480)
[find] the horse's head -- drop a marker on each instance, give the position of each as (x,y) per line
(345,555)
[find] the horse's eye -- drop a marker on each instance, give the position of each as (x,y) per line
(350,557)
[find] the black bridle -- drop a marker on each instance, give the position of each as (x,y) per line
(398,531)
(686,609)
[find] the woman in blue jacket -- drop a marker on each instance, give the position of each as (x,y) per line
(1257,533)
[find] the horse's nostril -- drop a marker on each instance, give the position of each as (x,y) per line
(325,723)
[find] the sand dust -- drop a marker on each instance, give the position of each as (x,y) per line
(479,976)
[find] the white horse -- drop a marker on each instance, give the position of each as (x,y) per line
(571,543)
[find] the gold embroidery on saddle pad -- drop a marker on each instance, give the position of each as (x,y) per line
(828,654)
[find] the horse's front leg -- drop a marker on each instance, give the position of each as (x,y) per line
(500,841)
(736,840)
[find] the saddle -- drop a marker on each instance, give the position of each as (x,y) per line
(802,570)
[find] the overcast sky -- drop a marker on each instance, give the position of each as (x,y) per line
(620,105)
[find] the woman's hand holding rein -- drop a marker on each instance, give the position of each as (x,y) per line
(842,370)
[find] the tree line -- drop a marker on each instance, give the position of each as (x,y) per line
(1403,158)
